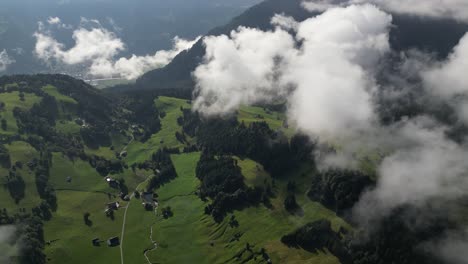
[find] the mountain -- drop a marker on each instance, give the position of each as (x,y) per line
(144,26)
(433,35)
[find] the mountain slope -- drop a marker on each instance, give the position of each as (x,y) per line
(434,35)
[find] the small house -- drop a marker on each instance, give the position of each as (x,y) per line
(113,242)
(96,242)
(147,197)
(113,206)
(113,183)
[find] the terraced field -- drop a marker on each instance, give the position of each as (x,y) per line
(205,241)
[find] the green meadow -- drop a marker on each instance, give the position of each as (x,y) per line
(11,101)
(22,152)
(138,152)
(205,241)
(69,239)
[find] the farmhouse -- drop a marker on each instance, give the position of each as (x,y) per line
(96,242)
(148,202)
(113,242)
(112,182)
(113,206)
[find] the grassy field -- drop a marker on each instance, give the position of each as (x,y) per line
(250,114)
(11,101)
(71,238)
(138,152)
(83,176)
(101,84)
(189,236)
(204,241)
(53,91)
(23,152)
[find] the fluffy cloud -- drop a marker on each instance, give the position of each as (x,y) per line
(94,44)
(98,49)
(456,9)
(327,80)
(53,20)
(448,79)
(135,66)
(324,68)
(425,166)
(242,69)
(56,21)
(5,60)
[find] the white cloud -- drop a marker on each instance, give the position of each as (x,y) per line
(456,9)
(98,48)
(284,22)
(135,66)
(324,69)
(241,69)
(97,43)
(53,20)
(57,22)
(320,5)
(427,167)
(5,60)
(449,80)
(328,79)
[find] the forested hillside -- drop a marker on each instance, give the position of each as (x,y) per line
(433,35)
(78,164)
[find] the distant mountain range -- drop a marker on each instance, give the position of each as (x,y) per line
(434,35)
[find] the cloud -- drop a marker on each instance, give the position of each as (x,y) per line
(284,22)
(320,5)
(53,20)
(135,66)
(452,247)
(98,48)
(325,69)
(5,60)
(97,43)
(455,9)
(448,79)
(7,233)
(327,79)
(424,167)
(56,21)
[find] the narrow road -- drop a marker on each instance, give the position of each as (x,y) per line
(125,219)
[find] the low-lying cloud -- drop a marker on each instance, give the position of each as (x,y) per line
(325,69)
(98,48)
(7,247)
(449,80)
(5,60)
(327,79)
(455,9)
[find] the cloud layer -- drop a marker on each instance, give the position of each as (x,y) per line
(455,9)
(325,69)
(341,46)
(448,80)
(5,60)
(98,48)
